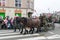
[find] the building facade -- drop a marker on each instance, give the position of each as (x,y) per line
(13,8)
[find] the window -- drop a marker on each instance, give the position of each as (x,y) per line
(2,2)
(18,3)
(28,4)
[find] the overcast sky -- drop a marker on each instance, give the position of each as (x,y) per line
(47,5)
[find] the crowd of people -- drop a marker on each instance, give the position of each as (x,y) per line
(6,23)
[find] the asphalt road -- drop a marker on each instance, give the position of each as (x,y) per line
(50,35)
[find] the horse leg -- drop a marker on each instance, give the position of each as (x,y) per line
(21,28)
(31,30)
(26,31)
(18,27)
(21,31)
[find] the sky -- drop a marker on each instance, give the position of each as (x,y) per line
(42,6)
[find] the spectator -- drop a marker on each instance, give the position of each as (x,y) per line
(11,20)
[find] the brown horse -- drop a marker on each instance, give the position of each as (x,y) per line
(31,23)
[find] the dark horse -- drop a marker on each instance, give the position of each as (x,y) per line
(19,23)
(16,23)
(30,23)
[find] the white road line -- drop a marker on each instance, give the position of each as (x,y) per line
(51,32)
(42,37)
(8,34)
(53,36)
(5,32)
(34,38)
(14,36)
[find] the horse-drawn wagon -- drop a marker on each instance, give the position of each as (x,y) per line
(32,23)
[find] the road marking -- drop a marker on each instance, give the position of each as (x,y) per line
(15,36)
(34,38)
(11,35)
(42,37)
(53,36)
(51,32)
(8,34)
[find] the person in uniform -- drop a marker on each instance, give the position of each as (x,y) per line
(43,22)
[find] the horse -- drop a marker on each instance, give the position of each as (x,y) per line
(16,23)
(30,23)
